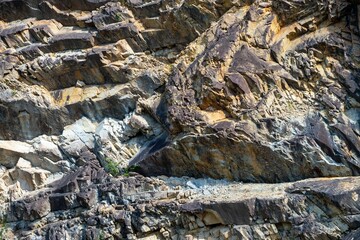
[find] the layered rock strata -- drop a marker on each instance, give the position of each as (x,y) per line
(273,90)
(89,204)
(254,91)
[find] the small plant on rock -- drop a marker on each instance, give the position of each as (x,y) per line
(118,17)
(101,235)
(133,168)
(3,228)
(112,167)
(13,92)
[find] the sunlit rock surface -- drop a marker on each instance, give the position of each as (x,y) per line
(251,91)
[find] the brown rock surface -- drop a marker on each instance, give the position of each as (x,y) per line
(255,91)
(178,208)
(281,118)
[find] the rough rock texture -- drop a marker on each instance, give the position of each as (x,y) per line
(257,91)
(274,95)
(89,204)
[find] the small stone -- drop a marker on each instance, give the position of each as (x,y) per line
(215,232)
(166,234)
(191,185)
(80,83)
(200,223)
(22,163)
(225,233)
(210,219)
(130,236)
(144,228)
(189,237)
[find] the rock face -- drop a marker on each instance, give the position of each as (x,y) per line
(89,204)
(254,91)
(272,93)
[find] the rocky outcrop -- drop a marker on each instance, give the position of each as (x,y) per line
(274,80)
(272,91)
(91,75)
(91,205)
(254,91)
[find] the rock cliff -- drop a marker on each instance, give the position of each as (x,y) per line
(224,108)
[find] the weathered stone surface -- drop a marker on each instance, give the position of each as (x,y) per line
(308,209)
(262,102)
(252,91)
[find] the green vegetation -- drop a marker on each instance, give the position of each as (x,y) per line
(129,169)
(3,228)
(112,167)
(101,235)
(118,17)
(13,92)
(290,106)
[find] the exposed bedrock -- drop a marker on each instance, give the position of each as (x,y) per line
(89,204)
(256,91)
(261,96)
(84,80)
(253,91)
